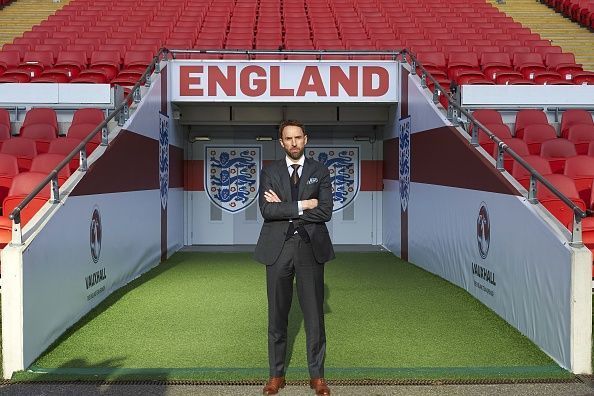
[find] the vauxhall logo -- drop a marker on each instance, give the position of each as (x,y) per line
(100,275)
(483,238)
(483,231)
(95,235)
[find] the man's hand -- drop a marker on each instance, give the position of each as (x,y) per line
(271,196)
(309,203)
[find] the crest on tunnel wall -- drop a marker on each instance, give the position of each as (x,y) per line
(232,175)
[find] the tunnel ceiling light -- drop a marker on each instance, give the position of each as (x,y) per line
(264,138)
(201,138)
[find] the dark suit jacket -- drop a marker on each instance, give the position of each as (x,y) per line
(314,183)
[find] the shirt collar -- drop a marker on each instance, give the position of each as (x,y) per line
(300,162)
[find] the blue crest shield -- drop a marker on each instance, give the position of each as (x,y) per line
(404,161)
(163,158)
(232,176)
(343,164)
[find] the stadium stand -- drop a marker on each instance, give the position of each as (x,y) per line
(121,39)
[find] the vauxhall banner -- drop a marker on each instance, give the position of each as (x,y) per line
(292,81)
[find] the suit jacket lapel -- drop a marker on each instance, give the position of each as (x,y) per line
(305,174)
(285,180)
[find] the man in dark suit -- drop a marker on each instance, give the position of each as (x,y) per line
(296,202)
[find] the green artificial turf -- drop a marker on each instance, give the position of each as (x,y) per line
(203,316)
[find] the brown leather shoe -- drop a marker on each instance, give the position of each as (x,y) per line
(273,385)
(320,386)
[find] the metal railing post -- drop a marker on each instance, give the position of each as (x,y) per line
(121,119)
(158,67)
(424,80)
(126,111)
(500,153)
(413,68)
(137,96)
(450,114)
(576,233)
(532,190)
(435,95)
(83,160)
(17,232)
(104,136)
(147,82)
(474,140)
(55,198)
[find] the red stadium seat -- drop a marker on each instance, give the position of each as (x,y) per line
(581,170)
(553,204)
(500,130)
(535,135)
(583,78)
(42,134)
(516,145)
(527,117)
(581,135)
(64,146)
(556,151)
(4,125)
(41,115)
(462,61)
(22,185)
(34,62)
(528,63)
(103,63)
(434,63)
(512,78)
(9,60)
(539,164)
(45,163)
(9,168)
(546,77)
(493,63)
(573,117)
(20,48)
(487,116)
(22,148)
(563,63)
(81,130)
(88,116)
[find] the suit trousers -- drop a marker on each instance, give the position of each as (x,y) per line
(296,260)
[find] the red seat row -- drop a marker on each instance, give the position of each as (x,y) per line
(556,158)
(73,66)
(580,11)
(501,68)
(107,26)
(23,167)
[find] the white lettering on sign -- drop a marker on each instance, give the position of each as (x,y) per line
(224,81)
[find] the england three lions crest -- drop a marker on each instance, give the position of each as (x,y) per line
(343,164)
(232,176)
(404,162)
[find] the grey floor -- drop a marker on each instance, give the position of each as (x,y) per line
(558,389)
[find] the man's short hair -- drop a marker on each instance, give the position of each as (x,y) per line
(286,123)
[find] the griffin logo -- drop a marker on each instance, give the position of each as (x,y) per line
(483,231)
(95,235)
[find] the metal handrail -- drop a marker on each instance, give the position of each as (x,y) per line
(502,147)
(319,53)
(52,177)
(404,54)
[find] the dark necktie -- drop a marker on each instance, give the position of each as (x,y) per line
(295,174)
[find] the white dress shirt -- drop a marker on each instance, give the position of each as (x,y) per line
(300,162)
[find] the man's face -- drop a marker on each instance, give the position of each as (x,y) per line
(293,141)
